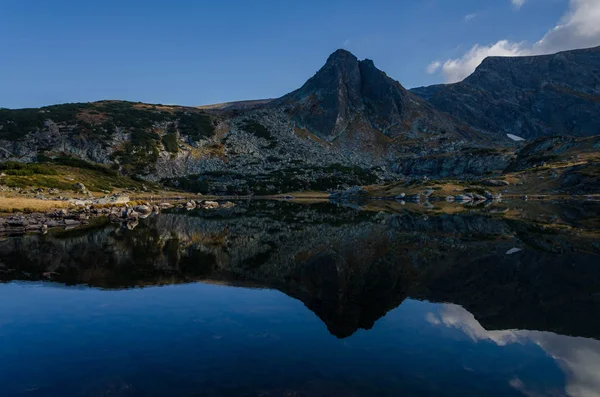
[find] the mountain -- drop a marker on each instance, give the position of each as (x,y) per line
(346,94)
(349,124)
(529,97)
(237,105)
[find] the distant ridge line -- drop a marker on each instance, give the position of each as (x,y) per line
(235,104)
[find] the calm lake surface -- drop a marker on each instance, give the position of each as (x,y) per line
(282,299)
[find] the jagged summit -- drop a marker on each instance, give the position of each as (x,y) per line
(341,54)
(347,94)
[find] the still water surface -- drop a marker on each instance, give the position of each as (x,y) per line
(279,300)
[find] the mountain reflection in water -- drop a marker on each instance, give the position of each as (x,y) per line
(533,270)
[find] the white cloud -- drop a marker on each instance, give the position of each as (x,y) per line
(579,358)
(457,69)
(578,28)
(469,17)
(517,3)
(433,67)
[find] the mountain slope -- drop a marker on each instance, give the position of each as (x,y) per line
(348,94)
(529,97)
(350,124)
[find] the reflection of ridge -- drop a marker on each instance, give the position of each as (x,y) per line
(344,304)
(349,268)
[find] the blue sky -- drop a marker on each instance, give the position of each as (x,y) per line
(201,52)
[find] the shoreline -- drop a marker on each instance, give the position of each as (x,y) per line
(53,214)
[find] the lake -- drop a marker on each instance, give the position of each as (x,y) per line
(276,298)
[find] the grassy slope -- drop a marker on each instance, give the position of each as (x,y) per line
(150,128)
(55,176)
(24,204)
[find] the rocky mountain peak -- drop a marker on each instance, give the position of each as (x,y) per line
(340,56)
(347,94)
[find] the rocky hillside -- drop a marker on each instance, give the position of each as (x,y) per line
(346,95)
(201,149)
(558,165)
(528,97)
(350,124)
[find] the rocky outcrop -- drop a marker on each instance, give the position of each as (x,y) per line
(556,149)
(528,97)
(354,193)
(453,165)
(347,91)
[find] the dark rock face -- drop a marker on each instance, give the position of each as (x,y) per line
(570,165)
(527,96)
(456,165)
(347,91)
(552,149)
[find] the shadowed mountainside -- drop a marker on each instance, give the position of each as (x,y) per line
(347,94)
(528,97)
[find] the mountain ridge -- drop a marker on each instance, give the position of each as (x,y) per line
(349,124)
(347,89)
(543,95)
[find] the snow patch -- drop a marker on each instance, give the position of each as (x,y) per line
(515,138)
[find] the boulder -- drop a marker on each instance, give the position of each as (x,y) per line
(143,209)
(80,188)
(132,215)
(114,199)
(17,222)
(210,205)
